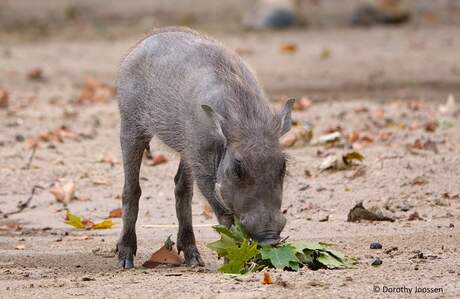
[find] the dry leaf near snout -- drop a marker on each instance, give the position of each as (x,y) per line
(359,212)
(300,134)
(166,255)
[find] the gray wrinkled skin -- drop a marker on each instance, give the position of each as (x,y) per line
(202,101)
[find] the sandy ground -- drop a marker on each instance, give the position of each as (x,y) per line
(384,83)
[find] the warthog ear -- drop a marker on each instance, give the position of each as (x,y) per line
(285,116)
(216,118)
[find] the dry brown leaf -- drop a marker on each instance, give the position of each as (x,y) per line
(117,213)
(157,160)
(419,181)
(353,137)
(63,193)
(428,145)
(109,159)
(100,182)
(288,48)
(340,161)
(10,227)
(302,104)
(20,247)
(165,255)
(416,105)
(35,74)
(414,216)
(267,278)
(4,98)
(431,126)
(289,139)
(80,238)
(451,195)
(385,136)
(207,212)
(95,91)
(362,109)
(299,135)
(358,213)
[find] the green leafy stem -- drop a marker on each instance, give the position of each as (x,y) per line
(243,255)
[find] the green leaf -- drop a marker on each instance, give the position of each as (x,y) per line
(295,266)
(310,246)
(74,220)
(238,257)
(107,223)
(222,245)
(280,257)
(329,261)
(236,231)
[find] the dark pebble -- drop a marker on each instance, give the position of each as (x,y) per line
(376,245)
(19,138)
(377,262)
(279,18)
(87,279)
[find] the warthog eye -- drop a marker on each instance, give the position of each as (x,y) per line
(238,169)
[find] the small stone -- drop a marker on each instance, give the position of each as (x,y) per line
(376,245)
(377,262)
(19,138)
(88,279)
(451,225)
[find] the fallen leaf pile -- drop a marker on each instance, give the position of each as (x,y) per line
(166,255)
(58,135)
(95,91)
(245,255)
(80,223)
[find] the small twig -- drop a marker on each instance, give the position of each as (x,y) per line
(22,206)
(31,158)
